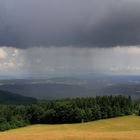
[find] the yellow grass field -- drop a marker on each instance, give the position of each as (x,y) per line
(121,128)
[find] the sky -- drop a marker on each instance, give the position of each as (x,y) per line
(63,37)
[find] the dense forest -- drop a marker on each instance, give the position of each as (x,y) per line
(66,111)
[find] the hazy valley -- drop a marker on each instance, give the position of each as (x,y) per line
(80,86)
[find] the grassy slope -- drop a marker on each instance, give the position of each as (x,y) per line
(121,128)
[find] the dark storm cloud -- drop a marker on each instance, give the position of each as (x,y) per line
(93,23)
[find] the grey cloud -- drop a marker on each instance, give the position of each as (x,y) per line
(92,23)
(59,61)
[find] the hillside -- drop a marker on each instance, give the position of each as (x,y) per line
(11,98)
(121,128)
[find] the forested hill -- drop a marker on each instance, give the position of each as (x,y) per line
(11,98)
(66,111)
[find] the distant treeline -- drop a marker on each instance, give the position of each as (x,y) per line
(7,97)
(66,111)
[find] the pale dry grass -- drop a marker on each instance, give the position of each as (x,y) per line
(121,128)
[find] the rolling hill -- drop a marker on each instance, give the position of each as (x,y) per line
(11,98)
(121,128)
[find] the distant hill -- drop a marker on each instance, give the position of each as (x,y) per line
(11,98)
(71,87)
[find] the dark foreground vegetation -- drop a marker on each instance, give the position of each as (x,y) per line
(66,111)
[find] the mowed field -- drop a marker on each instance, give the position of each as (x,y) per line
(121,128)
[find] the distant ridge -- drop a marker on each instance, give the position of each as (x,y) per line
(12,98)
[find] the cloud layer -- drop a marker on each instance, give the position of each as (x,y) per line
(80,23)
(54,61)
